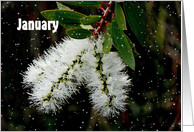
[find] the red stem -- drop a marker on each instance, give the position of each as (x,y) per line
(104,3)
(103,18)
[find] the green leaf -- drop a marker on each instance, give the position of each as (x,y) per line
(63,16)
(109,28)
(122,45)
(107,43)
(78,33)
(86,26)
(119,17)
(62,7)
(132,47)
(90,19)
(85,3)
(136,20)
(65,24)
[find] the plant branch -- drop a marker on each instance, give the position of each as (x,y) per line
(103,18)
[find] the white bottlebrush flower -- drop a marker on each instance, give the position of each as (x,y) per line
(56,75)
(107,83)
(59,72)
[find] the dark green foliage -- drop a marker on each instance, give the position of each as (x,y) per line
(78,25)
(63,16)
(136,20)
(122,45)
(78,33)
(90,19)
(120,17)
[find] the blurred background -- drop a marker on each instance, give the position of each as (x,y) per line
(154,97)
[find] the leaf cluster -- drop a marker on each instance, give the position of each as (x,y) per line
(79,26)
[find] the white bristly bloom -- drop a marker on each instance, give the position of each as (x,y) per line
(59,72)
(106,82)
(56,75)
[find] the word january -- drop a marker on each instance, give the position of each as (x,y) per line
(37,25)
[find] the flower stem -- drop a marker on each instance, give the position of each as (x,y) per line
(103,18)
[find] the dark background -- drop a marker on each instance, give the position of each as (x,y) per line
(154,97)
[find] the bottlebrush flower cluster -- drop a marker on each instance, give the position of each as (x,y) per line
(57,74)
